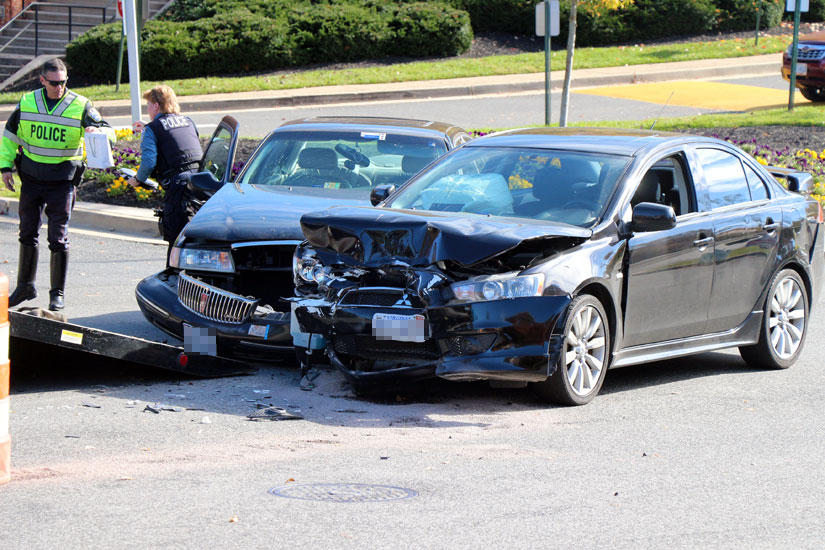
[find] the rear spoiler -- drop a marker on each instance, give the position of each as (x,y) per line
(798,182)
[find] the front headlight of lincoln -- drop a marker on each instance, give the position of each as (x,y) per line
(308,268)
(499,287)
(202,259)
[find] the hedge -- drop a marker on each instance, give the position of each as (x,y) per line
(740,15)
(242,41)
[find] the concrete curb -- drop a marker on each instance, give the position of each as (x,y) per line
(460,87)
(124,220)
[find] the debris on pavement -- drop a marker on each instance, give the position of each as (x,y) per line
(91,405)
(157,407)
(274,413)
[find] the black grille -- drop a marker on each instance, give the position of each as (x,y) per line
(265,271)
(381,298)
(368,347)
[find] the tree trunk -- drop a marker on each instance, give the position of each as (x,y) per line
(568,66)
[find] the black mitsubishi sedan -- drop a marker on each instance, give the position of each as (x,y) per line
(231,265)
(549,256)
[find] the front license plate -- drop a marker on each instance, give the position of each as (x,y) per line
(200,340)
(401,328)
(801,69)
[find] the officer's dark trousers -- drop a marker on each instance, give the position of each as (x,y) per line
(57,200)
(176,208)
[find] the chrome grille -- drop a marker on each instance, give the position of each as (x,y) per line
(810,53)
(213,303)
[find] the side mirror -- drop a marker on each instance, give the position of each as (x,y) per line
(651,216)
(381,192)
(203,185)
(801,182)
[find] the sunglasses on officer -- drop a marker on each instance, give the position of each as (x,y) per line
(56,83)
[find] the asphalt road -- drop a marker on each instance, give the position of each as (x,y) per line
(633,102)
(702,452)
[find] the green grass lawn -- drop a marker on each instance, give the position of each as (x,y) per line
(585,58)
(804,115)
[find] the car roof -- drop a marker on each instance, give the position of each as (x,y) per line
(615,141)
(397,125)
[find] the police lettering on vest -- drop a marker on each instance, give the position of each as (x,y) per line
(50,133)
(174,121)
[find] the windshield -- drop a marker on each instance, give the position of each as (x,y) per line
(562,186)
(339,163)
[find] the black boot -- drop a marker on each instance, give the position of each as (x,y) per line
(59,267)
(26,272)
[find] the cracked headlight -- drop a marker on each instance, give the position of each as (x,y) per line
(202,259)
(307,268)
(499,287)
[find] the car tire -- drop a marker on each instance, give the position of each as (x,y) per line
(784,324)
(584,356)
(812,94)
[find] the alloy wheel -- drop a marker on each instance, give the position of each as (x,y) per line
(585,348)
(787,318)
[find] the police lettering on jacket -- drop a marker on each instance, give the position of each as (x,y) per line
(50,133)
(174,121)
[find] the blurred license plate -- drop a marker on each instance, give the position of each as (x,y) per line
(801,69)
(200,340)
(401,328)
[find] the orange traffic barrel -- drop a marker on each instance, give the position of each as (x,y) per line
(5,371)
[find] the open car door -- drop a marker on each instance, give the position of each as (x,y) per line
(216,165)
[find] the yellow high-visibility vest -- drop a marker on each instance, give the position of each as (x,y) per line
(51,136)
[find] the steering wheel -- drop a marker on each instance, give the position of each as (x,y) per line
(309,177)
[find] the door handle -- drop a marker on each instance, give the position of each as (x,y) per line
(701,244)
(771,226)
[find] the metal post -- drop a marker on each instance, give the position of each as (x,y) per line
(36,28)
(547,114)
(795,48)
(758,16)
(120,54)
(134,62)
(70,23)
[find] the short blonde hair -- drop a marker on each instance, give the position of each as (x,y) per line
(165,97)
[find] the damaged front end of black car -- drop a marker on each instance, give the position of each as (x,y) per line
(398,296)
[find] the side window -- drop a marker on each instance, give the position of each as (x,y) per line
(665,183)
(757,186)
(725,178)
(217,153)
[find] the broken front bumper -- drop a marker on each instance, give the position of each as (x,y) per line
(510,340)
(262,338)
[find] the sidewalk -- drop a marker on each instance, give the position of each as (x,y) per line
(140,222)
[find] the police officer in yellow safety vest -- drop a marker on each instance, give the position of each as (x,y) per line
(44,140)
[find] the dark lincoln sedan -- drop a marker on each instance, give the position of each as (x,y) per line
(548,256)
(232,264)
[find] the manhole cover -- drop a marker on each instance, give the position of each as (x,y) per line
(342,492)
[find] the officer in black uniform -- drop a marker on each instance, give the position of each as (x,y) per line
(43,139)
(170,150)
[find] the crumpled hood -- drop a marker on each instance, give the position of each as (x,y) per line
(384,236)
(250,213)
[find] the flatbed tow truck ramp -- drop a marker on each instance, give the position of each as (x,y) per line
(30,324)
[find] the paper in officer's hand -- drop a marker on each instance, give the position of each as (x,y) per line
(98,150)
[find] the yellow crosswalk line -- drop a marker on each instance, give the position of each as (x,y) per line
(700,94)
